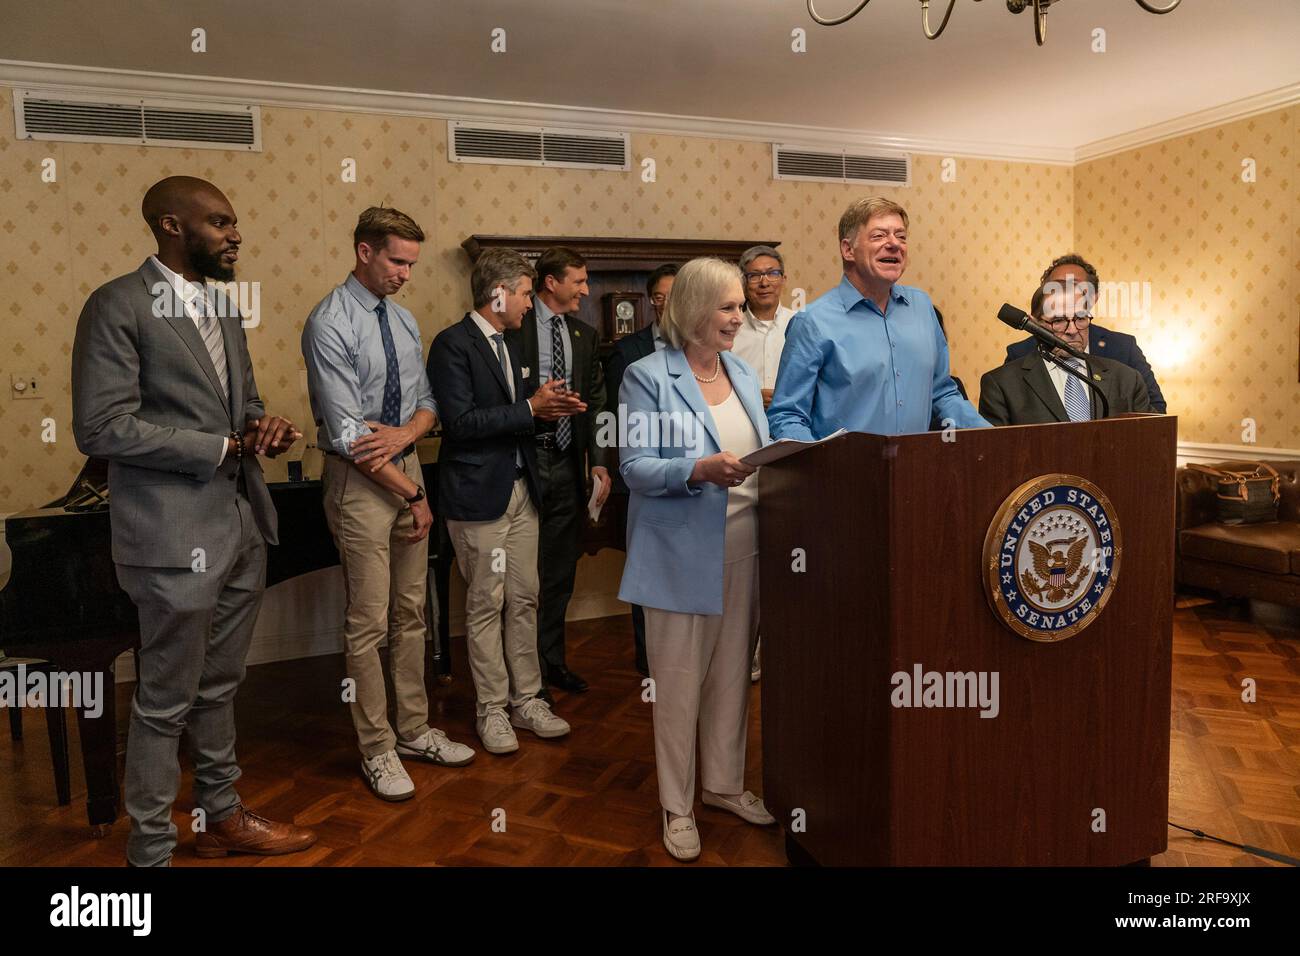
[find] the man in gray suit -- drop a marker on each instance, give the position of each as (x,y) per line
(162,387)
(1032,390)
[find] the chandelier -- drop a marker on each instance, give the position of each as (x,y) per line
(1015,6)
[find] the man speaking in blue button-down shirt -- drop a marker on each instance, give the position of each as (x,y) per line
(869,355)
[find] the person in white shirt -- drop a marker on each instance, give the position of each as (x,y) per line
(762,336)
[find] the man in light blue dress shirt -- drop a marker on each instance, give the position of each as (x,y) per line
(371,399)
(867,356)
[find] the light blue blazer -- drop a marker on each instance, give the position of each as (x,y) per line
(676,531)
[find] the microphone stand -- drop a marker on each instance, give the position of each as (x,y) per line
(1049,356)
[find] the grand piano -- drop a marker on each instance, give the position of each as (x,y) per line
(63,604)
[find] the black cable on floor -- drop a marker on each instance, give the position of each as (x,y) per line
(1257,851)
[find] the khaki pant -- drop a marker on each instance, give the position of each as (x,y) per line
(498,560)
(384,575)
(700,667)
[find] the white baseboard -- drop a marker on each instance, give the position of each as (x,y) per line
(1205,453)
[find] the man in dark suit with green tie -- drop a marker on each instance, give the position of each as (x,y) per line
(555,345)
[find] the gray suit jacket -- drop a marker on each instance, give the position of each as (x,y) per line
(1021,392)
(146,397)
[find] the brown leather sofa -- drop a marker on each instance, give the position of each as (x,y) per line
(1260,561)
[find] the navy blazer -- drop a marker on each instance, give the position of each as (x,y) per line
(628,349)
(481,426)
(1116,346)
(676,531)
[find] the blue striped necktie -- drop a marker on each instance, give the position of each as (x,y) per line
(563,426)
(1076,399)
(391,412)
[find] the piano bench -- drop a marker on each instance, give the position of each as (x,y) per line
(56,725)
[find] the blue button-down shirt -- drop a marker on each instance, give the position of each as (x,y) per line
(544,364)
(346,367)
(847,365)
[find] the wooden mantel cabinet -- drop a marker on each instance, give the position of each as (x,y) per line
(614,265)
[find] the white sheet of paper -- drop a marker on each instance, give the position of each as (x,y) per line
(785,448)
(593,509)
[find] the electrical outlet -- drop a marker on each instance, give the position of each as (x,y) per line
(25,386)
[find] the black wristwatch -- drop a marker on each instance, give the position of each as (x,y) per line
(418,496)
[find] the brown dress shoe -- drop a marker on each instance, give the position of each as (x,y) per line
(245,832)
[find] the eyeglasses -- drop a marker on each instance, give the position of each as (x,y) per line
(753,278)
(659,298)
(1081,322)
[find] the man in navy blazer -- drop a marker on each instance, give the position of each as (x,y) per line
(1116,346)
(629,349)
(489,489)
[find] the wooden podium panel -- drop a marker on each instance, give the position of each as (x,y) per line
(892,530)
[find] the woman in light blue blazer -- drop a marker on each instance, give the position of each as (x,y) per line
(691,412)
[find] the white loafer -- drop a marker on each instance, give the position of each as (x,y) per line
(681,839)
(748,807)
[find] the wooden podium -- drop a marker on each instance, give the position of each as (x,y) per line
(1074,767)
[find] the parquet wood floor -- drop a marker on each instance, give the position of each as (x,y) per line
(590,799)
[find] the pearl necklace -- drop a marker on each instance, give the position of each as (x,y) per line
(717,369)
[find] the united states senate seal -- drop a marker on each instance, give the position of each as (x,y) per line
(1051,557)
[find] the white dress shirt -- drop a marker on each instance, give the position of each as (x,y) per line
(189,293)
(1058,376)
(488,331)
(760,343)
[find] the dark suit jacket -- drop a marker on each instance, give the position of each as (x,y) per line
(586,377)
(1118,347)
(481,426)
(1021,392)
(626,351)
(146,396)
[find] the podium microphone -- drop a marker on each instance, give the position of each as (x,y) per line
(1019,320)
(1047,342)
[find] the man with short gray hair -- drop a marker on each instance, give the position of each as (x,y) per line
(489,489)
(868,356)
(762,336)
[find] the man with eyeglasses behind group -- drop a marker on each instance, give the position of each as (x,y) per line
(1036,389)
(761,338)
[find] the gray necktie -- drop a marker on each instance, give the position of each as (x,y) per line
(500,341)
(210,329)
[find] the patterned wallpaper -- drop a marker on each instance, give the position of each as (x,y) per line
(977,240)
(1222,256)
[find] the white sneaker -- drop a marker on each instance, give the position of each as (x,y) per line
(496,733)
(536,716)
(747,806)
(681,839)
(387,778)
(434,746)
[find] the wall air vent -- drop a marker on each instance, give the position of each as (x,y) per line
(537,146)
(74,117)
(841,165)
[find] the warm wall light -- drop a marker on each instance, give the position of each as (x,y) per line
(1015,6)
